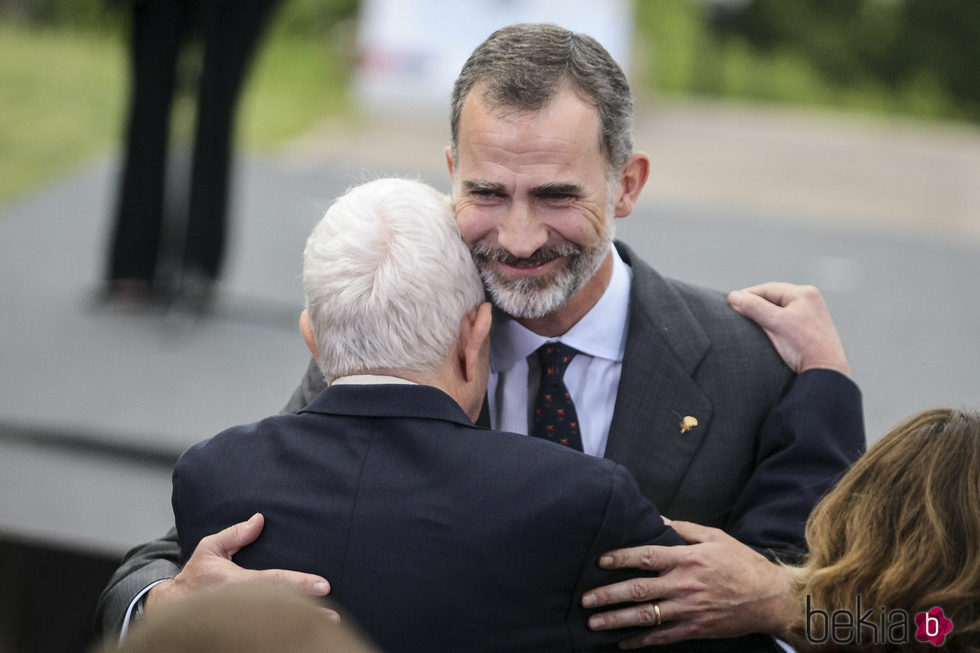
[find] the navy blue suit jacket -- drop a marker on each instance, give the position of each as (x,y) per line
(435,534)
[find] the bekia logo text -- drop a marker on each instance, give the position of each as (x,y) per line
(843,626)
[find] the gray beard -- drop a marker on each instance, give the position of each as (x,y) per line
(527,298)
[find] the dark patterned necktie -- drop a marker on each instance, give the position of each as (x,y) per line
(554,413)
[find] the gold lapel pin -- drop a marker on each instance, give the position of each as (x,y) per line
(688,423)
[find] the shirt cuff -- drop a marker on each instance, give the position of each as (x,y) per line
(135,612)
(783,645)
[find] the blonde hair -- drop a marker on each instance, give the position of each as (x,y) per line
(902,529)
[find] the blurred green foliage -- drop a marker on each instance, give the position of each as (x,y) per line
(296,17)
(912,57)
(315,18)
(60,101)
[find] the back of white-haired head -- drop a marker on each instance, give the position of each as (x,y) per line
(388,279)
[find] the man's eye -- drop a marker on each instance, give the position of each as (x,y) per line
(559,197)
(484,193)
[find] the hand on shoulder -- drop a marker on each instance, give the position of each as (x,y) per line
(211,565)
(715,587)
(797,322)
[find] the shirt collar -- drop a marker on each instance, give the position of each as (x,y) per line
(370,379)
(601,333)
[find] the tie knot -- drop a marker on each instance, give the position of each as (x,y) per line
(554,358)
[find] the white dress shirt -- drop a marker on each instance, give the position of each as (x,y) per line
(592,378)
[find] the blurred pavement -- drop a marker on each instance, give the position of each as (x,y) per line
(95,404)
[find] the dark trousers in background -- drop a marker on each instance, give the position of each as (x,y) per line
(230,31)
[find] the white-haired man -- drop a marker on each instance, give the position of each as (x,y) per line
(436,534)
(667,379)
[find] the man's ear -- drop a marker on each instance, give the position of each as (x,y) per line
(474,341)
(306,328)
(449,161)
(632,178)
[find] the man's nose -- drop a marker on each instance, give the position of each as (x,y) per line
(521,233)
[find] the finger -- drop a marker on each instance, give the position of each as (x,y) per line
(641,614)
(754,306)
(696,533)
(309,584)
(627,591)
(650,558)
(777,292)
(233,539)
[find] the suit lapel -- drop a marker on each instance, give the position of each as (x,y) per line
(664,346)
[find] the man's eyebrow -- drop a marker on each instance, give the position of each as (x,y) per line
(557,188)
(483,186)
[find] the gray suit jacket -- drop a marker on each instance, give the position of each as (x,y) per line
(756,463)
(752,466)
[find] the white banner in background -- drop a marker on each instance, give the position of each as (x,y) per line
(410,51)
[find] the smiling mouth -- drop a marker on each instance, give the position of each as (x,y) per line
(536,267)
(528,264)
(542,259)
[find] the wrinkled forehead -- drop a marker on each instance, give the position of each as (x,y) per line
(567,112)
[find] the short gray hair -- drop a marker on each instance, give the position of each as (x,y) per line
(387,279)
(523,67)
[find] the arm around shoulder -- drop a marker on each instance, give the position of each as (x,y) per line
(809,440)
(141,567)
(814,433)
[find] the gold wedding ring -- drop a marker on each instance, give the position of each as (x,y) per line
(656,611)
